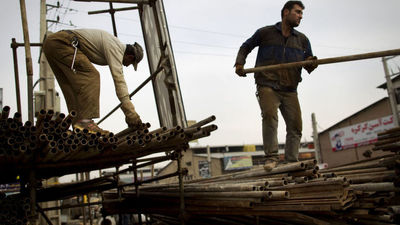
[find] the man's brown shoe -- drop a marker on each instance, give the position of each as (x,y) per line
(270,163)
(90,126)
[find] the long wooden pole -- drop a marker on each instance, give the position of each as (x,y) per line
(28,56)
(323,61)
(117,1)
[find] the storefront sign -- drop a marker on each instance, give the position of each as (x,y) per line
(359,134)
(238,162)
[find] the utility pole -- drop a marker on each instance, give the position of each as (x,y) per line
(47,97)
(391,92)
(316,139)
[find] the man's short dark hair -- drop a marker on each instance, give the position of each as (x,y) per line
(290,4)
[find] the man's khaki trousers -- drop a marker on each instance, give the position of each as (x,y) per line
(81,88)
(287,102)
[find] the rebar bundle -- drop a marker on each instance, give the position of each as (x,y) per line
(362,193)
(53,149)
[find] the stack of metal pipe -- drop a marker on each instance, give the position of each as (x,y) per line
(251,192)
(388,140)
(375,182)
(14,210)
(48,140)
(54,149)
(19,141)
(362,193)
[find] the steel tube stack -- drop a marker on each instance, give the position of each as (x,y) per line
(388,141)
(56,149)
(289,194)
(50,147)
(14,209)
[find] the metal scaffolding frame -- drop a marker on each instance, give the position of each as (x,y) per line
(163,76)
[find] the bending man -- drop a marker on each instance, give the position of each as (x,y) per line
(71,53)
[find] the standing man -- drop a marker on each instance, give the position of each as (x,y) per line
(71,53)
(279,43)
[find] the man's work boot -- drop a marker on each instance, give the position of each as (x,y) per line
(270,163)
(90,126)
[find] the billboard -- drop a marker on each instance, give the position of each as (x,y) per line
(8,188)
(359,134)
(238,162)
(204,169)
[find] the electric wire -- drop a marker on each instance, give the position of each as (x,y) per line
(77,11)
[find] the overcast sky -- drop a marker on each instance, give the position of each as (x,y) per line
(206,36)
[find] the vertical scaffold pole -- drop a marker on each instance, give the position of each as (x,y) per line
(181,189)
(136,188)
(14,47)
(33,217)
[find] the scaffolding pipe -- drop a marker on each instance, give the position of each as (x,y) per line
(31,44)
(14,46)
(181,190)
(44,214)
(152,76)
(115,10)
(83,201)
(32,194)
(149,161)
(136,189)
(71,206)
(323,61)
(184,171)
(112,12)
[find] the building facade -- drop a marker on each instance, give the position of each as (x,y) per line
(204,162)
(348,140)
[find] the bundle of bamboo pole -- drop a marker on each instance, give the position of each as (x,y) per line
(362,192)
(53,149)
